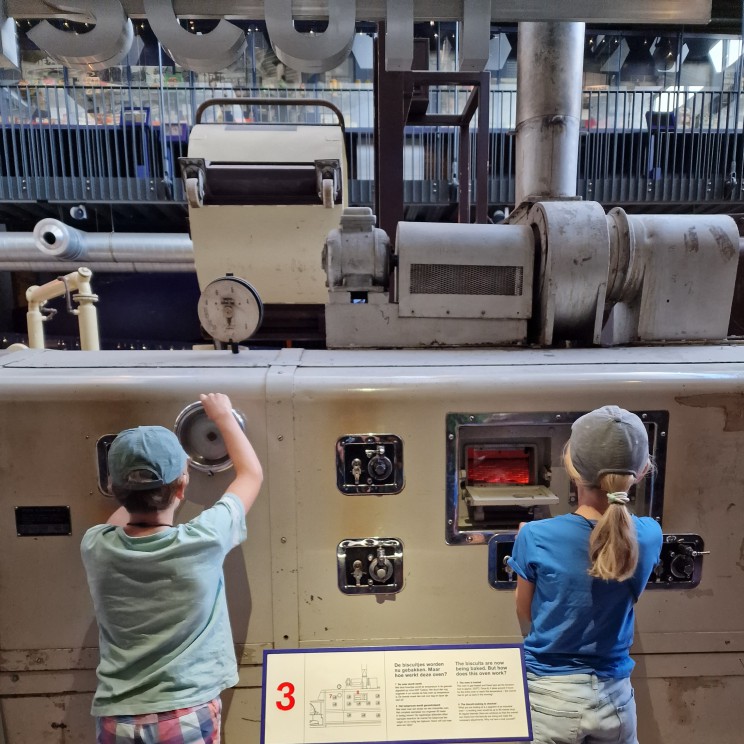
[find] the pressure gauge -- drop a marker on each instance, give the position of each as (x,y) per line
(230,309)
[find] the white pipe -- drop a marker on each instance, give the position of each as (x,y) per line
(78,282)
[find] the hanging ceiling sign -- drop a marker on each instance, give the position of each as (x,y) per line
(108,42)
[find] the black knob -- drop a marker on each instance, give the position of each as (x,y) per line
(682,566)
(380,467)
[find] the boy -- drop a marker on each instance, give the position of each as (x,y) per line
(166,648)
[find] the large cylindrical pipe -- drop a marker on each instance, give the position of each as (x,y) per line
(550,60)
(126,267)
(56,247)
(55,239)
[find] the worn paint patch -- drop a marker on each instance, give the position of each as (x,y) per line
(682,693)
(723,242)
(740,562)
(692,242)
(732,405)
(695,593)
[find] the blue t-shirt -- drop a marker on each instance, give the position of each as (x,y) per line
(164,632)
(580,624)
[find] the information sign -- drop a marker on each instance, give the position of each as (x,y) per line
(395,694)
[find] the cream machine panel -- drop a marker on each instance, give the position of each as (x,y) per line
(56,421)
(450,445)
(263,197)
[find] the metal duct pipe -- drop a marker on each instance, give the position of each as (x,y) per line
(550,60)
(56,247)
(26,263)
(114,251)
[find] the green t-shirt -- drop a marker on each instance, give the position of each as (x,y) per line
(164,632)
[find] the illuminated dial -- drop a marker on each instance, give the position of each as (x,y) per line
(230,309)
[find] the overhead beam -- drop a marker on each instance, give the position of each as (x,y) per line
(590,11)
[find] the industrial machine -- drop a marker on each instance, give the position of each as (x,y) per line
(411,554)
(400,461)
(262,197)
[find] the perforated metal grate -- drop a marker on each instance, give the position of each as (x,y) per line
(452,279)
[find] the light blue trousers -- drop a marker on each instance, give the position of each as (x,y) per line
(582,709)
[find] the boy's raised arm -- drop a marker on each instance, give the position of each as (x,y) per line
(248,470)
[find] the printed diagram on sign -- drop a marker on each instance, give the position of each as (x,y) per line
(357,702)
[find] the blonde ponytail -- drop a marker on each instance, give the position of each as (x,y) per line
(613,544)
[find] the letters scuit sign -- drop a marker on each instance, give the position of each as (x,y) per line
(110,39)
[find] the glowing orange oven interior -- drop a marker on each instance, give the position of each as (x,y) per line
(499,465)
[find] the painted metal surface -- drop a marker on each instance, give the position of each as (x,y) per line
(283,585)
(275,247)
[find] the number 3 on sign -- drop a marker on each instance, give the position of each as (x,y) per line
(287,701)
(283,699)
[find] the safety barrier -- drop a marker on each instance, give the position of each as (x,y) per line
(122,143)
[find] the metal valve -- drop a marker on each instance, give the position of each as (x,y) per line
(505,563)
(357,572)
(371,565)
(381,569)
(356,470)
(380,466)
(369,464)
(680,565)
(500,574)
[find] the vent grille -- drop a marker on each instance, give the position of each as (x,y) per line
(453,279)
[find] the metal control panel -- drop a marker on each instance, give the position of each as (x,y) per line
(680,565)
(500,547)
(371,565)
(369,464)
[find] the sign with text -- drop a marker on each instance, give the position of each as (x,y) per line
(395,694)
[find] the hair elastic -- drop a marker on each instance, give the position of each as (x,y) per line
(618,497)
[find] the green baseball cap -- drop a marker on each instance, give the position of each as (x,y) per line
(145,457)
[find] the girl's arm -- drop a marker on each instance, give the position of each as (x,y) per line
(523,596)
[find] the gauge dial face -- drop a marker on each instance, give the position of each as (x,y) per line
(230,309)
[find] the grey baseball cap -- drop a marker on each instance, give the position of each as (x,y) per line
(145,457)
(608,440)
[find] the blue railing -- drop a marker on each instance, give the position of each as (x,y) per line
(122,144)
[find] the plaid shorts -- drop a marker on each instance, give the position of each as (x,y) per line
(197,725)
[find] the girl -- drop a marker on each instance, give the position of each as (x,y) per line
(578,578)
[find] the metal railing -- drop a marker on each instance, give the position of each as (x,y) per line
(72,143)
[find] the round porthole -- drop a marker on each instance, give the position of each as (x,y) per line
(202,440)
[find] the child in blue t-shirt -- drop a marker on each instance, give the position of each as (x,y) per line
(578,578)
(166,647)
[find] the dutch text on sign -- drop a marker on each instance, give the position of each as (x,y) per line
(395,694)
